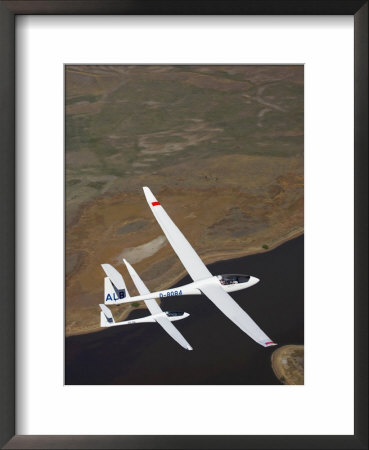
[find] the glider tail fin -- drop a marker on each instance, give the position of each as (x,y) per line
(115,291)
(106,317)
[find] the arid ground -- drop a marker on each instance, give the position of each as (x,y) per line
(221,147)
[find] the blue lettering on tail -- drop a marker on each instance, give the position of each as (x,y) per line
(122,294)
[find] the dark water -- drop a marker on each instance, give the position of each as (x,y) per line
(223,354)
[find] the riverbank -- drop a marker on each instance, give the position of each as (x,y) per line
(288,364)
(122,312)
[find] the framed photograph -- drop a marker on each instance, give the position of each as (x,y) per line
(157,161)
(224,145)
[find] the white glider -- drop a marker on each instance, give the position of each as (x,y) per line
(115,287)
(216,288)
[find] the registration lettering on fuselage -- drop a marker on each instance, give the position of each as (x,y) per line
(170,293)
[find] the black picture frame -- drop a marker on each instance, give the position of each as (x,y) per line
(8,12)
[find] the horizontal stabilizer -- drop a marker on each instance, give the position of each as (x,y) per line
(115,277)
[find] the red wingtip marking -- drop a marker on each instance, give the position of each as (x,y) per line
(269,343)
(155,204)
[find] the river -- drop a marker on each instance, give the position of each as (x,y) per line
(222,353)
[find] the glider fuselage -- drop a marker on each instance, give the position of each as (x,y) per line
(229,282)
(172,316)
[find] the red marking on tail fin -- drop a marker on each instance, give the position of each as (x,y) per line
(270,343)
(155,204)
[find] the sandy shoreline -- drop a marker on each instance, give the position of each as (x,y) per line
(171,282)
(288,364)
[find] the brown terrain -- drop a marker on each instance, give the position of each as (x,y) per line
(288,364)
(221,147)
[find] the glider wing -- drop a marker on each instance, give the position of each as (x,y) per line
(234,312)
(154,308)
(173,332)
(189,258)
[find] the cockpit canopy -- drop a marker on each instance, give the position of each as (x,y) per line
(233,278)
(174,313)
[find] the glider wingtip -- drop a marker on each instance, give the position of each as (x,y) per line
(269,344)
(128,265)
(150,197)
